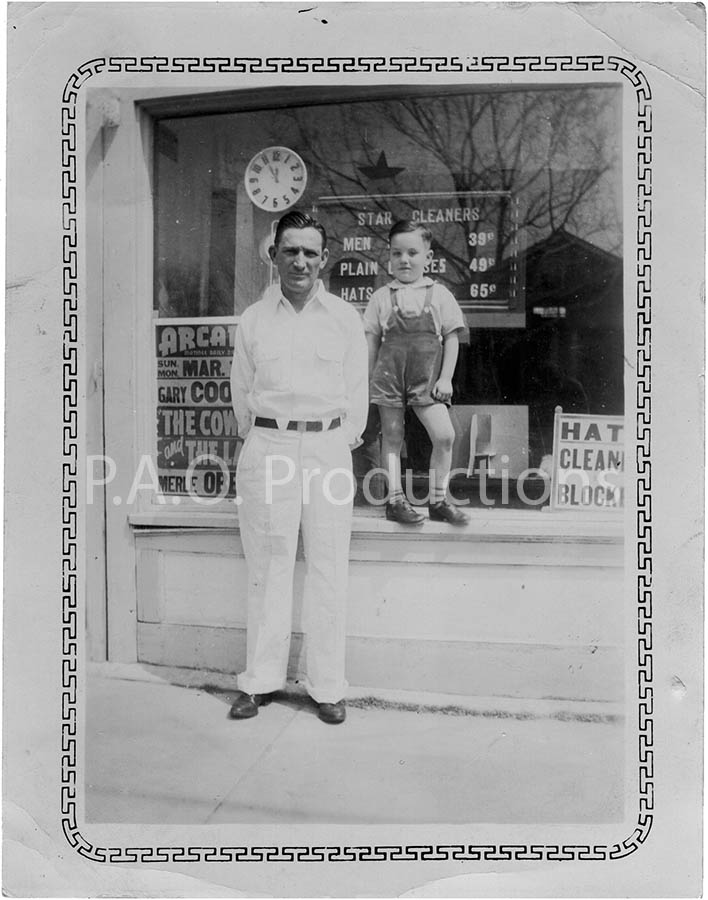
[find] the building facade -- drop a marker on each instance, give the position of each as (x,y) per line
(521,189)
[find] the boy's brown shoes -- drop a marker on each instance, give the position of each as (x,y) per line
(401,511)
(446,512)
(245,706)
(332,713)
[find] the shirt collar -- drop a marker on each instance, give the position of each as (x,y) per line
(320,294)
(423,281)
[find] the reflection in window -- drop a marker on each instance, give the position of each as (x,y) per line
(538,271)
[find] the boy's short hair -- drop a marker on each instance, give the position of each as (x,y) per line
(405,226)
(298,219)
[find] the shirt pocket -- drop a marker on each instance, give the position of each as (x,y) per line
(270,359)
(330,358)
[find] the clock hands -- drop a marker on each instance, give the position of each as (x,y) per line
(263,182)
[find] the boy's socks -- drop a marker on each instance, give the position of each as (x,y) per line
(395,494)
(437,495)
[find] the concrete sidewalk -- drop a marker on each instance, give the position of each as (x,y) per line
(160,748)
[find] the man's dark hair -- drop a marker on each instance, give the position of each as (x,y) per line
(405,226)
(297,219)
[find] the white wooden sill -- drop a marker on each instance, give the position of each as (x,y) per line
(512,525)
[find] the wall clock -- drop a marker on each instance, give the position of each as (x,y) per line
(275,178)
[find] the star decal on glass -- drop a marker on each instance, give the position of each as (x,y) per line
(381,170)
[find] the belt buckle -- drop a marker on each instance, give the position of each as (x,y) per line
(301,427)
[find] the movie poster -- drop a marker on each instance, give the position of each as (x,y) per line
(197,435)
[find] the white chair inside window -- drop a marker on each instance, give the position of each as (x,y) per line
(481,448)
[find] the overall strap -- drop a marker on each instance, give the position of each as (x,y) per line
(394,302)
(427,307)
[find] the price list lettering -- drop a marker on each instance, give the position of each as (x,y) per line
(475,248)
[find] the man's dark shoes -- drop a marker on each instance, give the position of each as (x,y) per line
(245,706)
(446,512)
(332,713)
(401,511)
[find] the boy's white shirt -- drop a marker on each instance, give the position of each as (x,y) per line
(411,300)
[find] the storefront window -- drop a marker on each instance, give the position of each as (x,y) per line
(521,189)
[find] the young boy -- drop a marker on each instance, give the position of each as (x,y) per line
(412,327)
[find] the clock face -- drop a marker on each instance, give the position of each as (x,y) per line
(275,178)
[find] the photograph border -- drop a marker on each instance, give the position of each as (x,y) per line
(70,167)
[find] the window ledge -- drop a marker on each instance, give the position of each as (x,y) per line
(485,525)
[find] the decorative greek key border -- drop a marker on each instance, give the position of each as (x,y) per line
(355,65)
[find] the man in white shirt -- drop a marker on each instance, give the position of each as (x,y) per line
(300,395)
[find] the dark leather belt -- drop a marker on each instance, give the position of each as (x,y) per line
(294,425)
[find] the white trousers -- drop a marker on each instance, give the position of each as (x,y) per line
(287,480)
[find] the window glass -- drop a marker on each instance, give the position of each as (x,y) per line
(520,188)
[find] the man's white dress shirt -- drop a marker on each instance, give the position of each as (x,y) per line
(301,366)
